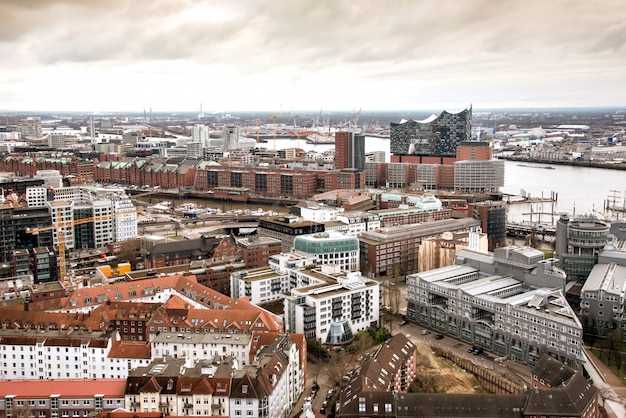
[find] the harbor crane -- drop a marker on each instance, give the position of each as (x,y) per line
(60,226)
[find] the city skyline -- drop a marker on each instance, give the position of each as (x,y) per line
(279,55)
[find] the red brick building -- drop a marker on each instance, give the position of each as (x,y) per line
(256,251)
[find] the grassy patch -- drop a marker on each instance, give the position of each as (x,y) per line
(615,361)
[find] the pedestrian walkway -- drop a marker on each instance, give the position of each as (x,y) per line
(612,388)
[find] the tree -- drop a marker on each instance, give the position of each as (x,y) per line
(614,343)
(129,250)
(316,348)
(363,341)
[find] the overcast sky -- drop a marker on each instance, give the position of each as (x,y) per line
(173,55)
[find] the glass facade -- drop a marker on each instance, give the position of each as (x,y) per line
(436,136)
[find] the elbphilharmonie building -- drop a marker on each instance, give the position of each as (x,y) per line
(433,136)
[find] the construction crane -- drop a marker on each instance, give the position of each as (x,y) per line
(60,226)
(355,120)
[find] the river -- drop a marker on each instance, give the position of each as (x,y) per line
(579,190)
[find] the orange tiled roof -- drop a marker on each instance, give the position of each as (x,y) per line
(110,388)
(130,349)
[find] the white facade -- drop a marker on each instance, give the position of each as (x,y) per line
(331,248)
(36,197)
(51,178)
(194,150)
(103,222)
(125,219)
(56,140)
(115,216)
(201,134)
(196,347)
(359,221)
(62,214)
(320,213)
(31,128)
(230,136)
(332,299)
(260,285)
(71,354)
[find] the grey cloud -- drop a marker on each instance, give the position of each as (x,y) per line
(308,34)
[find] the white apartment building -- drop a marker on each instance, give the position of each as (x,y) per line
(196,347)
(331,305)
(268,384)
(271,283)
(194,149)
(125,219)
(359,221)
(33,354)
(260,285)
(102,222)
(475,176)
(320,213)
(114,215)
(62,214)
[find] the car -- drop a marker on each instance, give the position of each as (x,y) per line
(403,323)
(438,336)
(329,394)
(425,332)
(475,350)
(325,404)
(323,410)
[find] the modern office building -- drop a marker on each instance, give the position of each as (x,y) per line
(394,251)
(510,302)
(17,223)
(349,150)
(331,305)
(62,214)
(478,176)
(331,248)
(31,128)
(492,217)
(602,295)
(56,140)
(285,228)
(578,242)
(433,140)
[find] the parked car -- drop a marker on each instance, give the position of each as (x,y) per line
(425,332)
(439,336)
(329,394)
(404,323)
(475,350)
